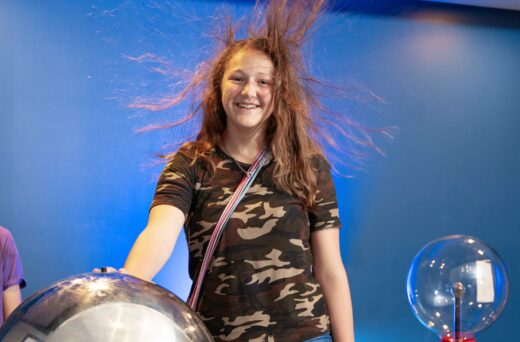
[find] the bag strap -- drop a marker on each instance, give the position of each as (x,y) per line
(237,196)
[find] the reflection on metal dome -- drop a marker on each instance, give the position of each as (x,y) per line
(103,307)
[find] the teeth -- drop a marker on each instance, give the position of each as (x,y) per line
(246,105)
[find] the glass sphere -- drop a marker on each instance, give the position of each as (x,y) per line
(461,267)
(103,307)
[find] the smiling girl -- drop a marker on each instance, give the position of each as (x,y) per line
(276,273)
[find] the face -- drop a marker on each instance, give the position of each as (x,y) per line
(247,90)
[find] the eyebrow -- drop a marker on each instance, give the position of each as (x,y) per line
(260,72)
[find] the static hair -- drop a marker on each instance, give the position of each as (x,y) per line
(279,29)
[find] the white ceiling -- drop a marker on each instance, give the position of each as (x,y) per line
(504,4)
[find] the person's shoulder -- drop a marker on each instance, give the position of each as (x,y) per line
(5,234)
(6,239)
(193,153)
(318,162)
(188,156)
(183,155)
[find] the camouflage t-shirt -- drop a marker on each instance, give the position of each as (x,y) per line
(260,285)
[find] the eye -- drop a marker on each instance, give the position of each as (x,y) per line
(264,82)
(235,79)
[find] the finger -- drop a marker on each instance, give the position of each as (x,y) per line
(108,269)
(123,271)
(104,270)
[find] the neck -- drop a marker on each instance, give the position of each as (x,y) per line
(243,147)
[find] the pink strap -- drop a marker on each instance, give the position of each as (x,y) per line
(245,183)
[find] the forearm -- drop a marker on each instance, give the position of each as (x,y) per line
(337,296)
(155,244)
(148,254)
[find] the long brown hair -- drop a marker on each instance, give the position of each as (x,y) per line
(279,30)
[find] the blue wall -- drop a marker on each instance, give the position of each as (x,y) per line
(76,181)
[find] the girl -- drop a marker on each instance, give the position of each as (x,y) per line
(276,273)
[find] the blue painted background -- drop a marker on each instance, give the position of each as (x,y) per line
(76,180)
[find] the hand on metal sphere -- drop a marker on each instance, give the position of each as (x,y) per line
(109,269)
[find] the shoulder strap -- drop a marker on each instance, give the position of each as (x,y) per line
(237,196)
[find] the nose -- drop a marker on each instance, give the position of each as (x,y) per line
(249,89)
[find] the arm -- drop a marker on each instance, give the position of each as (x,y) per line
(330,273)
(155,244)
(12,297)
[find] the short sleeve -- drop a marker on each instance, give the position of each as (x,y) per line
(176,183)
(326,213)
(11,264)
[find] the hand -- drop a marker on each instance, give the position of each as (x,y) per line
(109,270)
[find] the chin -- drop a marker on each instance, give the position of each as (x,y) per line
(250,124)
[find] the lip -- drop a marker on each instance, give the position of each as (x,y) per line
(245,105)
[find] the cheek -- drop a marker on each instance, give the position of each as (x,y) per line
(228,92)
(267,96)
(223,92)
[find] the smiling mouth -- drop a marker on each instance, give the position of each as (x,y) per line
(247,105)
